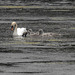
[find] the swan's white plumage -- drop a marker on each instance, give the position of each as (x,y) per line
(20,31)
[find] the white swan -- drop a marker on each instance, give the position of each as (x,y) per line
(18,31)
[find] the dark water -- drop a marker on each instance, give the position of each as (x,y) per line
(38,56)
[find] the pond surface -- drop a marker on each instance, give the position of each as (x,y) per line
(34,55)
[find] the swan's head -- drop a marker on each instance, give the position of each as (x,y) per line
(29,31)
(40,31)
(13,25)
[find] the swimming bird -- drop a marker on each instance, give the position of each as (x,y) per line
(38,33)
(46,34)
(30,32)
(18,31)
(41,33)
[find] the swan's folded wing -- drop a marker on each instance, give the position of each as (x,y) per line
(23,30)
(20,31)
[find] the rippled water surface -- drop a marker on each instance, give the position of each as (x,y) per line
(38,55)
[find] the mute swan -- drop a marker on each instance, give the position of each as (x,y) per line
(18,31)
(38,34)
(48,34)
(41,33)
(30,32)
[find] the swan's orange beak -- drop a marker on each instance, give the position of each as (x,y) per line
(12,28)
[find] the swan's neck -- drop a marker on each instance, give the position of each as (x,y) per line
(15,30)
